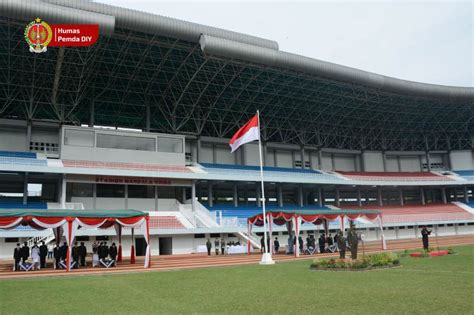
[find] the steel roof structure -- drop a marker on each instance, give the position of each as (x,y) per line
(165,75)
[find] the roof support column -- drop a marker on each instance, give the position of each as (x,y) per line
(320,159)
(302,157)
(264,153)
(359,197)
(384,160)
(380,196)
(362,161)
(28,135)
(236,195)
(126,196)
(466,196)
(422,195)
(280,195)
(147,118)
(198,149)
(428,161)
(94,196)
(156,198)
(63,192)
(443,195)
(333,162)
(320,197)
(25,188)
(400,194)
(92,114)
(275,157)
(338,201)
(399,163)
(210,197)
(259,195)
(214,154)
(300,196)
(193,196)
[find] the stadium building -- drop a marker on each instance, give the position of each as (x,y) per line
(142,119)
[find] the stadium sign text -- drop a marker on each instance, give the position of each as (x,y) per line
(39,35)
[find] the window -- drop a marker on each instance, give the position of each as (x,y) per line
(84,238)
(12,240)
(231,235)
(166,192)
(82,190)
(80,138)
(102,238)
(199,235)
(141,191)
(171,145)
(125,142)
(110,191)
(214,235)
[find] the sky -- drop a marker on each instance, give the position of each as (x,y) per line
(424,41)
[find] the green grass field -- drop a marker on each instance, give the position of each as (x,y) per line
(439,285)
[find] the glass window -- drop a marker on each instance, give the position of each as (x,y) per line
(166,192)
(172,145)
(141,191)
(82,190)
(81,138)
(110,191)
(125,142)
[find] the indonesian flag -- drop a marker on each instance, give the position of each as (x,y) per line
(247,133)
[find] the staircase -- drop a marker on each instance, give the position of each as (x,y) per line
(254,239)
(46,238)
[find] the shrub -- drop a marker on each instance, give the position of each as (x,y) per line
(450,251)
(369,261)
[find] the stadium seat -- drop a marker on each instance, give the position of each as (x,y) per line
(394,176)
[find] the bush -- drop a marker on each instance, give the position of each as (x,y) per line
(369,261)
(450,251)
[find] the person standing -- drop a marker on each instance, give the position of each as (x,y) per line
(105,248)
(208,246)
(75,256)
(25,252)
(64,252)
(82,254)
(216,246)
(424,235)
(113,252)
(341,244)
(353,240)
(262,244)
(95,255)
(300,244)
(35,256)
(17,257)
(43,252)
(57,255)
(321,242)
(222,246)
(50,251)
(276,245)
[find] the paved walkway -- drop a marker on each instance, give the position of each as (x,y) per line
(175,262)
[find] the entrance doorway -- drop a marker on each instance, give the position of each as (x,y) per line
(140,246)
(166,245)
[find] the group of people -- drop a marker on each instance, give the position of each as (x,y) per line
(220,246)
(39,255)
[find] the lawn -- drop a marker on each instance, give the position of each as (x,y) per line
(439,285)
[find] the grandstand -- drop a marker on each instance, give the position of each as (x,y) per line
(141,120)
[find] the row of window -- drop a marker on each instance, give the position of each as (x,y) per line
(118,191)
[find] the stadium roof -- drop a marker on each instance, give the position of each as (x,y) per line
(165,75)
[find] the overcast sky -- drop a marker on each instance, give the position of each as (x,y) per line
(430,42)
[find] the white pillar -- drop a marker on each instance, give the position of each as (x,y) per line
(210,197)
(236,195)
(94,196)
(300,196)
(193,196)
(320,196)
(359,197)
(25,189)
(156,198)
(400,193)
(63,193)
(338,202)
(422,194)
(198,149)
(259,196)
(466,197)
(380,196)
(302,157)
(280,195)
(126,196)
(443,195)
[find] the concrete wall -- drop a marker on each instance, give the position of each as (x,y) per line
(13,139)
(462,160)
(133,203)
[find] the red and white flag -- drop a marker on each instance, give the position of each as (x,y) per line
(247,133)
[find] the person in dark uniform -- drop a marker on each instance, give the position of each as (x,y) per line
(64,251)
(209,247)
(321,242)
(222,246)
(17,256)
(43,252)
(100,250)
(75,255)
(341,244)
(105,248)
(330,240)
(300,244)
(424,235)
(276,245)
(113,252)
(57,255)
(25,252)
(353,240)
(216,246)
(262,244)
(82,254)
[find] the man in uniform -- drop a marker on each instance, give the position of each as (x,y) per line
(424,235)
(43,252)
(75,255)
(216,245)
(341,244)
(113,252)
(208,246)
(25,252)
(64,252)
(222,246)
(276,245)
(57,255)
(17,256)
(322,243)
(353,240)
(83,254)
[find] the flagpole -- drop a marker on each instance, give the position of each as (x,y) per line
(267,256)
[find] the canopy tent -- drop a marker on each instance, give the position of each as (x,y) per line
(68,221)
(316,216)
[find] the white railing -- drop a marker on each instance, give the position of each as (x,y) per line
(42,238)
